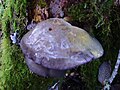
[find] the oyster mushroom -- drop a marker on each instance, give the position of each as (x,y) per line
(56,46)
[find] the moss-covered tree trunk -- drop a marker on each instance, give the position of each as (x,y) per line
(101,18)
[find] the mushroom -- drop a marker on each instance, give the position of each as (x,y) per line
(104,72)
(55,46)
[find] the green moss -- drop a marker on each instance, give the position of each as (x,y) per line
(42,3)
(34,3)
(89,72)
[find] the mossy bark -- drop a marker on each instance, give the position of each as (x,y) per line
(101,19)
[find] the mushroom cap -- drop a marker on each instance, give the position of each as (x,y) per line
(56,44)
(104,72)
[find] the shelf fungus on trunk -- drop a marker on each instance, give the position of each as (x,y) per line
(55,46)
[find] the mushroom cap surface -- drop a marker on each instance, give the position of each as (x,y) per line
(104,72)
(56,44)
